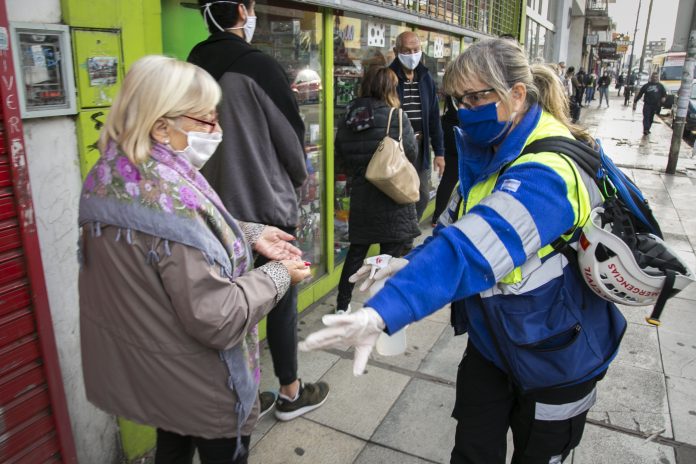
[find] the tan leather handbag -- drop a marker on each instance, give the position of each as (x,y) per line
(390,171)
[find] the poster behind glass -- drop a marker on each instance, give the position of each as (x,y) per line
(293,38)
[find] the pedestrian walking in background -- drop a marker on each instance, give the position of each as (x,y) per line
(655,94)
(514,295)
(258,168)
(569,85)
(620,81)
(603,85)
(451,175)
(590,86)
(579,86)
(168,301)
(418,96)
(374,216)
(631,82)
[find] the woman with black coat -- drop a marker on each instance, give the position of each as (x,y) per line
(374,216)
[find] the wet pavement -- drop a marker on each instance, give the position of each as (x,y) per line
(399,412)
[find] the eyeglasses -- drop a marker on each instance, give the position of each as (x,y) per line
(472,99)
(211,124)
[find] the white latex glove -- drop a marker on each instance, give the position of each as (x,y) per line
(359,329)
(385,265)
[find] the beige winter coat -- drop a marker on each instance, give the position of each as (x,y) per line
(151,332)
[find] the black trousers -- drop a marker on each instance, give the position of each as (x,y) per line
(354,260)
(447,183)
(488,404)
(424,177)
(649,112)
(173,448)
(281,331)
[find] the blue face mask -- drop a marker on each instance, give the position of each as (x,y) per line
(481,126)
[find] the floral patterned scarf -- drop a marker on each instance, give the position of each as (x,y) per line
(166,197)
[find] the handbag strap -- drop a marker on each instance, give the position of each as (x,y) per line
(391,111)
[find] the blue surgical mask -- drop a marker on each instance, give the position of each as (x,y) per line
(481,126)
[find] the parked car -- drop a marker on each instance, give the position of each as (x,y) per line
(690,126)
(307,86)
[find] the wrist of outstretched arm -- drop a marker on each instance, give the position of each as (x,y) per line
(280,276)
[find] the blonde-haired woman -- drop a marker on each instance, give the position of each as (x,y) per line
(539,339)
(168,303)
(374,216)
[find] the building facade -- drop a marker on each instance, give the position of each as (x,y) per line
(323,46)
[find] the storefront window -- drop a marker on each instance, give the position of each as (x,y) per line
(293,37)
(359,42)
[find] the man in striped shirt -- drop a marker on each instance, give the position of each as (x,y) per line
(418,96)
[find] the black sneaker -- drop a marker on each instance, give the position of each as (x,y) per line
(312,395)
(266,400)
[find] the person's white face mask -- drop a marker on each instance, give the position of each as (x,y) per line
(249,27)
(411,60)
(201,146)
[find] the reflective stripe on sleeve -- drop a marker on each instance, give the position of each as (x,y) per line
(487,242)
(558,412)
(517,215)
(534,275)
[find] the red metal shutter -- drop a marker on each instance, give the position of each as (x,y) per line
(34,423)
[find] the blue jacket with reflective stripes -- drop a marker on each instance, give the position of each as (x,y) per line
(545,328)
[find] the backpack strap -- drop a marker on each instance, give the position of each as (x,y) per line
(391,111)
(667,291)
(582,154)
(585,158)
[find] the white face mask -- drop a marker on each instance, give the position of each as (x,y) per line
(410,61)
(201,146)
(249,27)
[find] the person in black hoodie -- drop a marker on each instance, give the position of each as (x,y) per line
(374,216)
(655,94)
(258,168)
(451,175)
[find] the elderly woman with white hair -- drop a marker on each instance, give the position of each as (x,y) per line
(539,338)
(168,301)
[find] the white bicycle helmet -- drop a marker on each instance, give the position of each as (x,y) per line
(633,276)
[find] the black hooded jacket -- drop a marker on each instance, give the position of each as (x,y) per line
(260,163)
(374,217)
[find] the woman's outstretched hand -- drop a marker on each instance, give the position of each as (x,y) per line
(275,244)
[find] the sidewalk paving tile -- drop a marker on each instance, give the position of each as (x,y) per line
(420,338)
(373,454)
(603,446)
(420,422)
(647,179)
(678,353)
(357,405)
(682,406)
(304,442)
(679,242)
(444,358)
(679,315)
(640,348)
(633,398)
(636,314)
